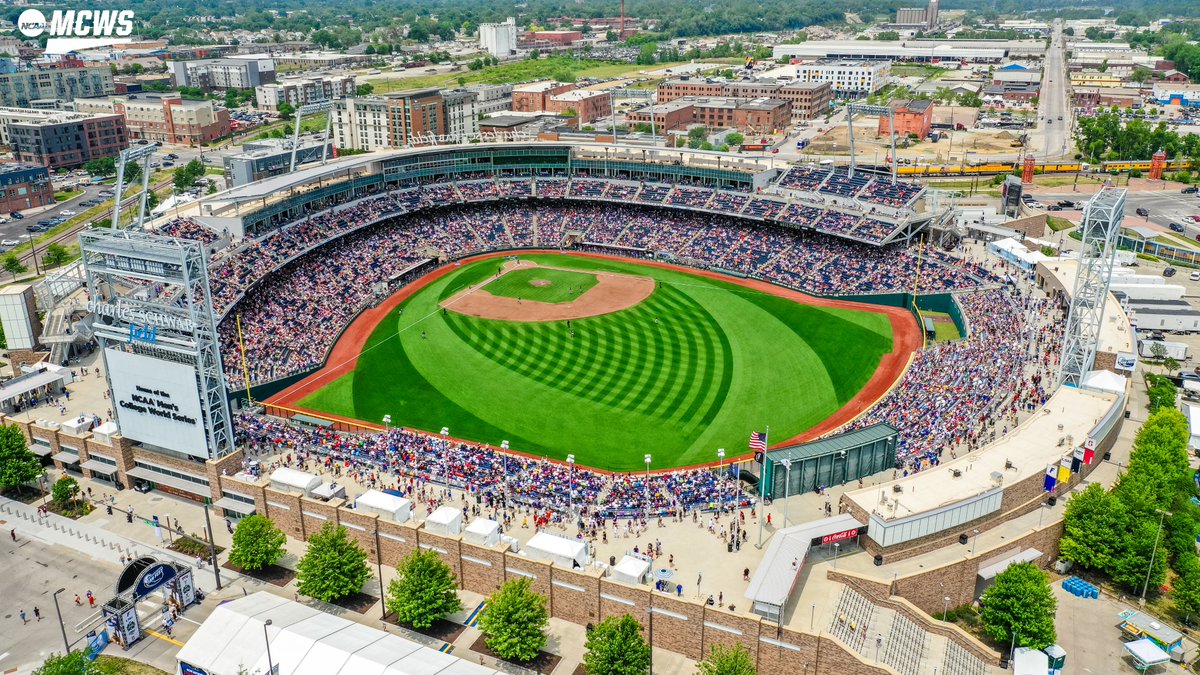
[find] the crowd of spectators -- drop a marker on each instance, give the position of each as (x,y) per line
(867,187)
(405,461)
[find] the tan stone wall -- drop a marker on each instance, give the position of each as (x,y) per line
(575,595)
(361,528)
(315,513)
(537,571)
(447,548)
(678,624)
(284,509)
(482,568)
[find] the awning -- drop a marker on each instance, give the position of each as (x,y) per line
(990,572)
(45,450)
(234,505)
(98,466)
(66,457)
(170,481)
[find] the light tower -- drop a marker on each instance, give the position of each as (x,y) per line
(1098,252)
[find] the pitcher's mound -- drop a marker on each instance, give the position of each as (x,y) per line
(540,283)
(612,293)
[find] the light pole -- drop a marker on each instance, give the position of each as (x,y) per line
(650,621)
(720,460)
(1161,515)
(945,607)
(267,640)
(647,487)
(812,619)
(975,540)
(387,422)
(787,484)
(836,546)
(212,547)
(61,625)
(570,483)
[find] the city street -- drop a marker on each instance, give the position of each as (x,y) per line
(1051,139)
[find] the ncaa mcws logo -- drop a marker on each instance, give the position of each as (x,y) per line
(70,30)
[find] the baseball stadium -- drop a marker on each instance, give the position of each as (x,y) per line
(596,343)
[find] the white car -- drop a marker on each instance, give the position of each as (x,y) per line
(67,212)
(9,242)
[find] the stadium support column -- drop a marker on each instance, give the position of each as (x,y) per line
(1098,252)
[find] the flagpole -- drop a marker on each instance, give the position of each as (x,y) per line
(762,486)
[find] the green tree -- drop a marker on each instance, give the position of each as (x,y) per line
(723,660)
(1158,464)
(364,89)
(77,663)
(55,255)
(1020,603)
(133,172)
(735,138)
(257,543)
(424,590)
(1095,529)
(104,166)
(17,464)
(515,621)
(333,566)
(12,265)
(64,491)
(888,35)
(646,57)
(1185,592)
(1162,392)
(615,646)
(286,110)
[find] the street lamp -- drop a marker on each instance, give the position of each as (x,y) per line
(1161,515)
(647,487)
(975,540)
(720,460)
(836,546)
(61,625)
(787,484)
(267,640)
(387,422)
(570,483)
(945,607)
(650,621)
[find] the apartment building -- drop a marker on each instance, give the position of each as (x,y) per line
(60,139)
(536,97)
(389,121)
(21,87)
(164,117)
(849,79)
(24,186)
(462,113)
(230,73)
(585,105)
(491,98)
(298,91)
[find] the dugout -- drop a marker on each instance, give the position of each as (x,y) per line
(834,460)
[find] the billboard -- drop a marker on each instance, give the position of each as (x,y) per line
(157,402)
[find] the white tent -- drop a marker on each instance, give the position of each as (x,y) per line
(293,481)
(387,507)
(446,520)
(1030,662)
(566,553)
(630,570)
(1105,380)
(1146,654)
(306,641)
(483,532)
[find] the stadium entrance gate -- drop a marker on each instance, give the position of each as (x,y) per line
(835,460)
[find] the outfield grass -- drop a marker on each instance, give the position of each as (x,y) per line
(563,286)
(695,367)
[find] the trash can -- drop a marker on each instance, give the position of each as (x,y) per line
(964,538)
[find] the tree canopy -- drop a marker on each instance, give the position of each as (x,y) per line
(724,660)
(333,567)
(515,621)
(1020,604)
(423,591)
(615,646)
(257,543)
(17,464)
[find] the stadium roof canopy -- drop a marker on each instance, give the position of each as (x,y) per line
(306,640)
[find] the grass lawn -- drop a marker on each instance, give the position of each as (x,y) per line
(1177,240)
(556,67)
(1058,224)
(66,194)
(542,285)
(129,666)
(943,326)
(695,367)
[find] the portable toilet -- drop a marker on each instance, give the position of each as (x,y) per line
(1058,658)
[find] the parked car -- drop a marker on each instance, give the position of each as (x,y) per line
(67,212)
(1143,212)
(17,215)
(1169,272)
(1190,190)
(1195,276)
(9,242)
(1176,227)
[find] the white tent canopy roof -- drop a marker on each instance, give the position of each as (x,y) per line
(545,546)
(292,478)
(1105,380)
(307,641)
(382,503)
(483,531)
(630,570)
(446,520)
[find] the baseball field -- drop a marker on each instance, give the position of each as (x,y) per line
(606,359)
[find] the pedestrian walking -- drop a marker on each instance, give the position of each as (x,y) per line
(78,601)
(13,534)
(229,525)
(37,613)
(24,619)
(91,599)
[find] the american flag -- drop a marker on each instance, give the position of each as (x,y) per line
(758,441)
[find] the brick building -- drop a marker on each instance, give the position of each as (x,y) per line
(808,99)
(536,97)
(298,91)
(164,117)
(761,115)
(1105,97)
(912,117)
(556,38)
(588,105)
(59,139)
(20,87)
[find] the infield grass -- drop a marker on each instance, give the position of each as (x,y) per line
(696,366)
(542,285)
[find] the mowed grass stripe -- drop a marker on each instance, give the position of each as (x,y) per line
(608,378)
(664,356)
(695,351)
